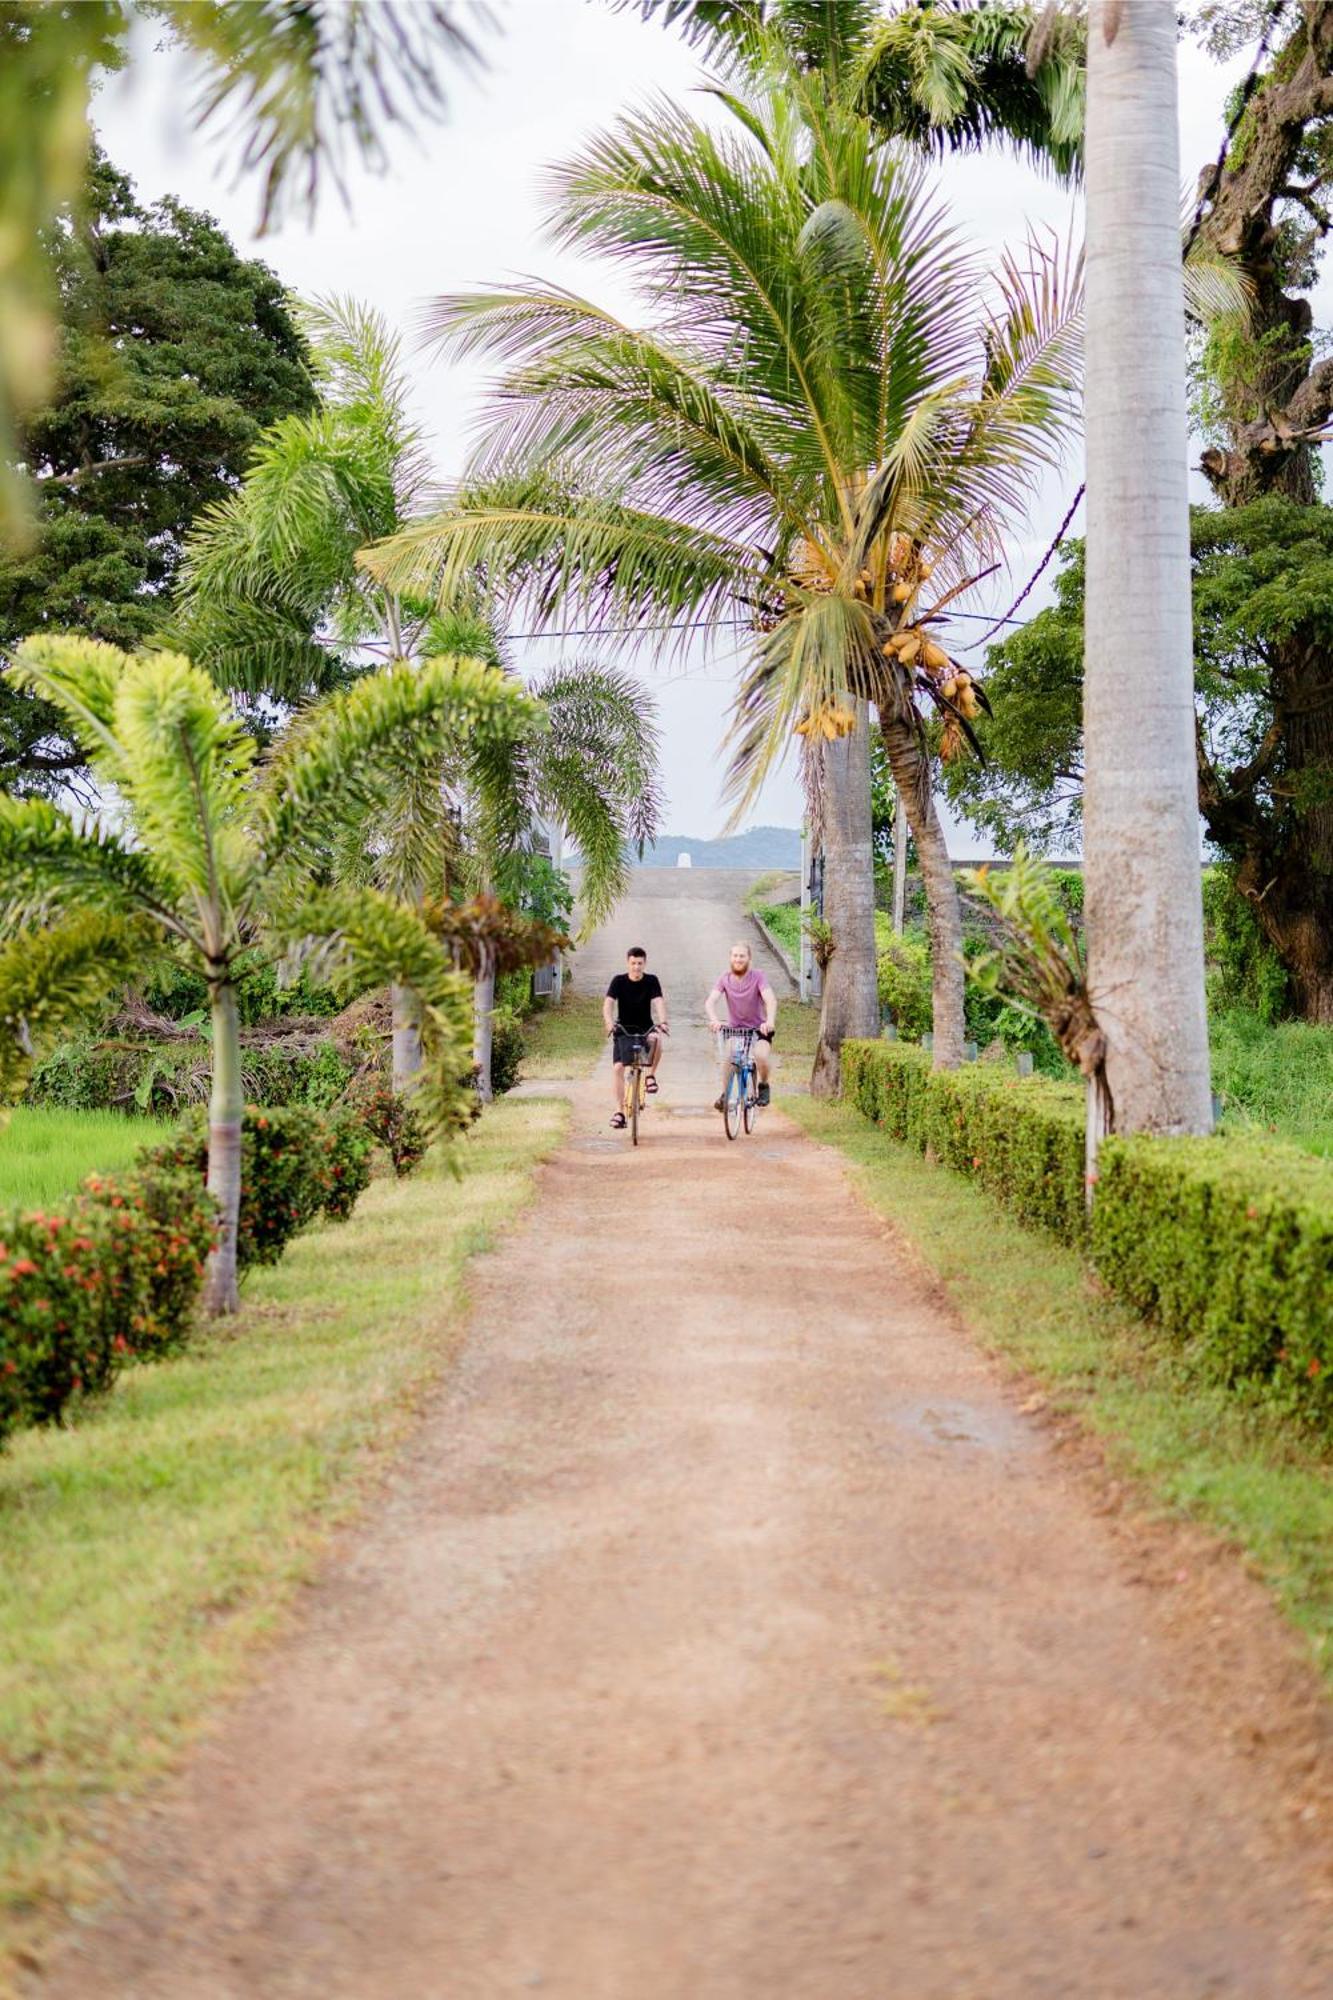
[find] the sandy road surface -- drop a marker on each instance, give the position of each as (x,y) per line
(729,1630)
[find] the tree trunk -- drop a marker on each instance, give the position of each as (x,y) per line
(1143,890)
(406,1038)
(911,775)
(483,1009)
(850,1007)
(226,1109)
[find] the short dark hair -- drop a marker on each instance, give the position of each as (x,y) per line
(636,951)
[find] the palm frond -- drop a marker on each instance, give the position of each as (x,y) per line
(55,979)
(52,866)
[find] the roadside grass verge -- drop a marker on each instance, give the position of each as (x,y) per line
(45,1154)
(564,1042)
(144,1551)
(1241,1471)
(798,1036)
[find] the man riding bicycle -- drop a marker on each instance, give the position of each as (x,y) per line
(635,1006)
(751,1003)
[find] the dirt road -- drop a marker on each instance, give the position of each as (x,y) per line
(730,1633)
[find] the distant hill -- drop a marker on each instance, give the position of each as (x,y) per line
(759,847)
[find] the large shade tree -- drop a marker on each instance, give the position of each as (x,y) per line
(293,88)
(173,354)
(823,432)
(209,858)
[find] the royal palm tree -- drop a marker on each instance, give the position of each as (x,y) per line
(832,409)
(209,857)
(273,603)
(1140,798)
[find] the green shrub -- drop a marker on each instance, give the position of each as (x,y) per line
(161,1079)
(260,996)
(1020,1137)
(508,1046)
(904,982)
(1243,968)
(393,1123)
(112,1277)
(295,1165)
(1279,1078)
(1226,1243)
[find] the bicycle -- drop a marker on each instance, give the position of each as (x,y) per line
(636,1076)
(740,1094)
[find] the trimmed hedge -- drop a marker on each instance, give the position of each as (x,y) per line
(1226,1243)
(112,1278)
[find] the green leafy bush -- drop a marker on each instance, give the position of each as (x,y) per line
(904,982)
(508,1046)
(393,1123)
(1243,968)
(295,1165)
(112,1277)
(260,995)
(1226,1243)
(1021,1137)
(161,1079)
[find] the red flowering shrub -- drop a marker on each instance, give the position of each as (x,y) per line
(394,1123)
(111,1278)
(295,1164)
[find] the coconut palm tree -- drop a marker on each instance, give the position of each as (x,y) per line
(273,603)
(209,857)
(832,408)
(1140,800)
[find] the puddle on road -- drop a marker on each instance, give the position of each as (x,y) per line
(984,1427)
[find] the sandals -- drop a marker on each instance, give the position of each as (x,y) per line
(650,1085)
(617,1121)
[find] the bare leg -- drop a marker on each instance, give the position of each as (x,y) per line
(762,1059)
(618,1085)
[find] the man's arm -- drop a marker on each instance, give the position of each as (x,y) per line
(657,1007)
(710,1007)
(608,1013)
(770,1000)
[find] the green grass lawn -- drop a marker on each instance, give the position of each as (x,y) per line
(565,1041)
(145,1550)
(1243,1472)
(44,1154)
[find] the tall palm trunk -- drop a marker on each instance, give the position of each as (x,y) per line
(911,776)
(406,1038)
(483,1027)
(226,1107)
(1142,875)
(851,987)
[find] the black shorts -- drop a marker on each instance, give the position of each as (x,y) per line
(624,1044)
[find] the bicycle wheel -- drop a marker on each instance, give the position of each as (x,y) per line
(751,1101)
(732,1113)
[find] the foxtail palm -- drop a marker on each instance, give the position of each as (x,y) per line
(213,859)
(832,407)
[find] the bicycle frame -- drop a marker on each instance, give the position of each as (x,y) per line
(740,1095)
(636,1092)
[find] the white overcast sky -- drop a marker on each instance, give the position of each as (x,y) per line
(462,206)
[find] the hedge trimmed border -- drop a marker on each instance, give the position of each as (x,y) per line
(1225,1243)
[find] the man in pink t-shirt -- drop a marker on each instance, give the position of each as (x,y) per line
(750,1003)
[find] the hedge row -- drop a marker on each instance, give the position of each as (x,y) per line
(115,1276)
(1226,1243)
(112,1278)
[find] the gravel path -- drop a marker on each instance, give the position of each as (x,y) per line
(730,1630)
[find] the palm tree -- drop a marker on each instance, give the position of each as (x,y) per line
(1140,802)
(273,603)
(831,408)
(214,860)
(949,77)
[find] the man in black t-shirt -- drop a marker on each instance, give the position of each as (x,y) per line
(634,1005)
